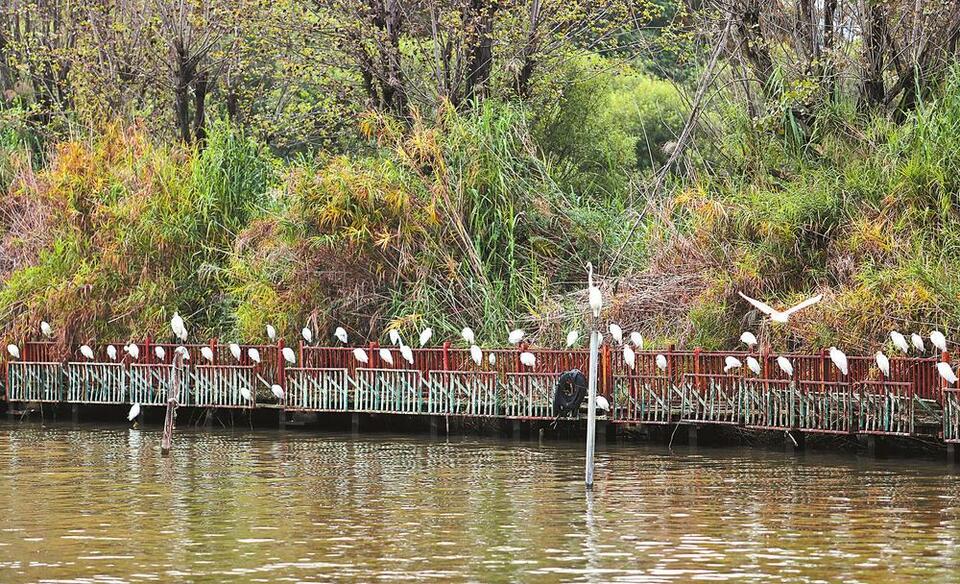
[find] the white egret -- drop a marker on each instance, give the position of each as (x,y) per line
(386,356)
(572,337)
(307,334)
(235,351)
(178,326)
(946,372)
(271,332)
(917,342)
(616,332)
(515,336)
(839,359)
(661,362)
(749,339)
(425,336)
(777,315)
(289,355)
(899,341)
(939,341)
(406,353)
(361,355)
(14,351)
(245,393)
(602,403)
(207,353)
(476,354)
(882,363)
(112,352)
(134,412)
(134,351)
(46,329)
(467,334)
(754,365)
(183,351)
(595,298)
(87,352)
(528,358)
(731,363)
(637,340)
(492,359)
(394,336)
(160,352)
(341,334)
(785,365)
(629,357)
(254,355)
(277,391)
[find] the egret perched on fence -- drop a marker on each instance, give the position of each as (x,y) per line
(492,359)
(386,356)
(87,352)
(754,365)
(341,335)
(939,341)
(235,351)
(277,391)
(749,339)
(112,352)
(406,353)
(307,334)
(603,404)
(777,315)
(476,354)
(515,336)
(900,341)
(14,351)
(629,357)
(133,350)
(595,298)
(425,336)
(882,363)
(467,334)
(159,352)
(46,329)
(361,355)
(528,358)
(661,362)
(183,351)
(917,342)
(839,359)
(616,332)
(271,332)
(254,355)
(946,372)
(245,393)
(637,340)
(731,363)
(572,337)
(785,365)
(207,353)
(289,355)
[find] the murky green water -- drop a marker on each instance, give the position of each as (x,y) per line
(102,505)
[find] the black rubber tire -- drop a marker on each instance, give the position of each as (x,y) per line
(570,392)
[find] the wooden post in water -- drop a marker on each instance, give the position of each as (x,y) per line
(173,390)
(592,405)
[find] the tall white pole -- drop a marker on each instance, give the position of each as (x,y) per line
(592,405)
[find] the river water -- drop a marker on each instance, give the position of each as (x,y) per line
(85,505)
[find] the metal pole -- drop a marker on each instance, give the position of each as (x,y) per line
(592,406)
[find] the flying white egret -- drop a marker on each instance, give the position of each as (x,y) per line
(134,351)
(730,363)
(616,332)
(754,365)
(46,329)
(515,336)
(112,352)
(394,336)
(629,357)
(207,353)
(917,342)
(386,356)
(87,352)
(785,365)
(235,351)
(946,372)
(159,352)
(134,412)
(245,393)
(839,359)
(882,363)
(406,353)
(661,362)
(271,332)
(492,358)
(595,298)
(467,334)
(254,355)
(939,341)
(361,355)
(528,358)
(341,334)
(425,336)
(637,340)
(476,354)
(899,341)
(603,404)
(572,337)
(307,334)
(277,391)
(14,351)
(778,315)
(749,339)
(289,355)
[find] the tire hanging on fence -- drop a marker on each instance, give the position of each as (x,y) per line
(569,394)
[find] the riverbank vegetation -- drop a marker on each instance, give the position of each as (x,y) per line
(376,164)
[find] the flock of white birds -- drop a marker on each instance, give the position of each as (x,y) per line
(528,359)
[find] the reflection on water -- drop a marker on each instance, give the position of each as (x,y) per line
(85,505)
